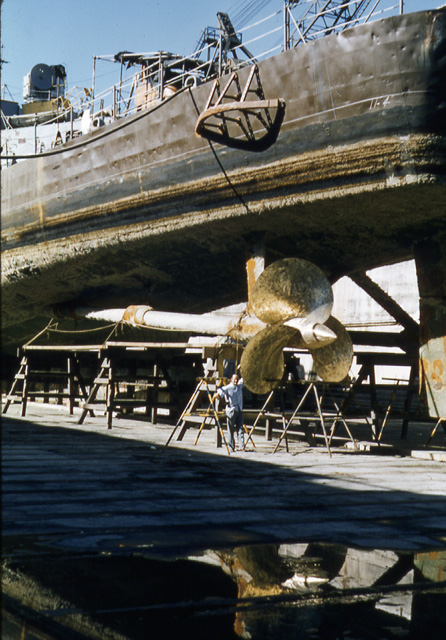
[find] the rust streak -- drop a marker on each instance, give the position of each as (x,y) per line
(250,270)
(437,375)
(327,170)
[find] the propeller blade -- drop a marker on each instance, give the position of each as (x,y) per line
(292,288)
(262,362)
(333,361)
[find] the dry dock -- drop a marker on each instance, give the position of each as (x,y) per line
(75,496)
(92,489)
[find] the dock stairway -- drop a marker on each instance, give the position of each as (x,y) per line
(49,372)
(130,377)
(114,377)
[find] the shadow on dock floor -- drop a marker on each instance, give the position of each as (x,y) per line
(100,529)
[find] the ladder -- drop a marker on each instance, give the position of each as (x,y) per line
(206,389)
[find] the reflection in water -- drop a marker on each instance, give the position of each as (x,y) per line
(321,591)
(260,592)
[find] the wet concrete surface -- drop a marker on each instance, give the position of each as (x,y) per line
(112,522)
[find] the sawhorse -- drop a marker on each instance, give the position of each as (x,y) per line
(318,415)
(434,430)
(209,388)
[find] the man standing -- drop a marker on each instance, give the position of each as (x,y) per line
(232,394)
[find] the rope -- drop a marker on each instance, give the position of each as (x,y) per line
(51,327)
(47,328)
(247,10)
(76,331)
(236,193)
(115,328)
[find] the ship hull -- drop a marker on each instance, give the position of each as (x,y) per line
(144,211)
(379,82)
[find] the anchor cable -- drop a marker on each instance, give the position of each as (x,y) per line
(237,194)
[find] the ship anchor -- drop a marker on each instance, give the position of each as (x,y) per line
(232,120)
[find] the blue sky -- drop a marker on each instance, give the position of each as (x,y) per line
(71,32)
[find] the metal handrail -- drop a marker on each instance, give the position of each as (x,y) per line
(118,101)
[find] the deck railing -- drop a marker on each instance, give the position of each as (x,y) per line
(160,75)
(294,24)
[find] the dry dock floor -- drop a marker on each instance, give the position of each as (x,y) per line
(89,489)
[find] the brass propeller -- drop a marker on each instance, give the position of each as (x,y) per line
(333,361)
(291,288)
(262,362)
(295,299)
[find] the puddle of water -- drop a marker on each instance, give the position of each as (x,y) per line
(258,592)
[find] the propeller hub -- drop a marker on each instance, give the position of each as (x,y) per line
(313,334)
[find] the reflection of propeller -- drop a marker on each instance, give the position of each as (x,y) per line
(295,299)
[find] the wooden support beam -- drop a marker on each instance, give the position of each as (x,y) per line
(385,301)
